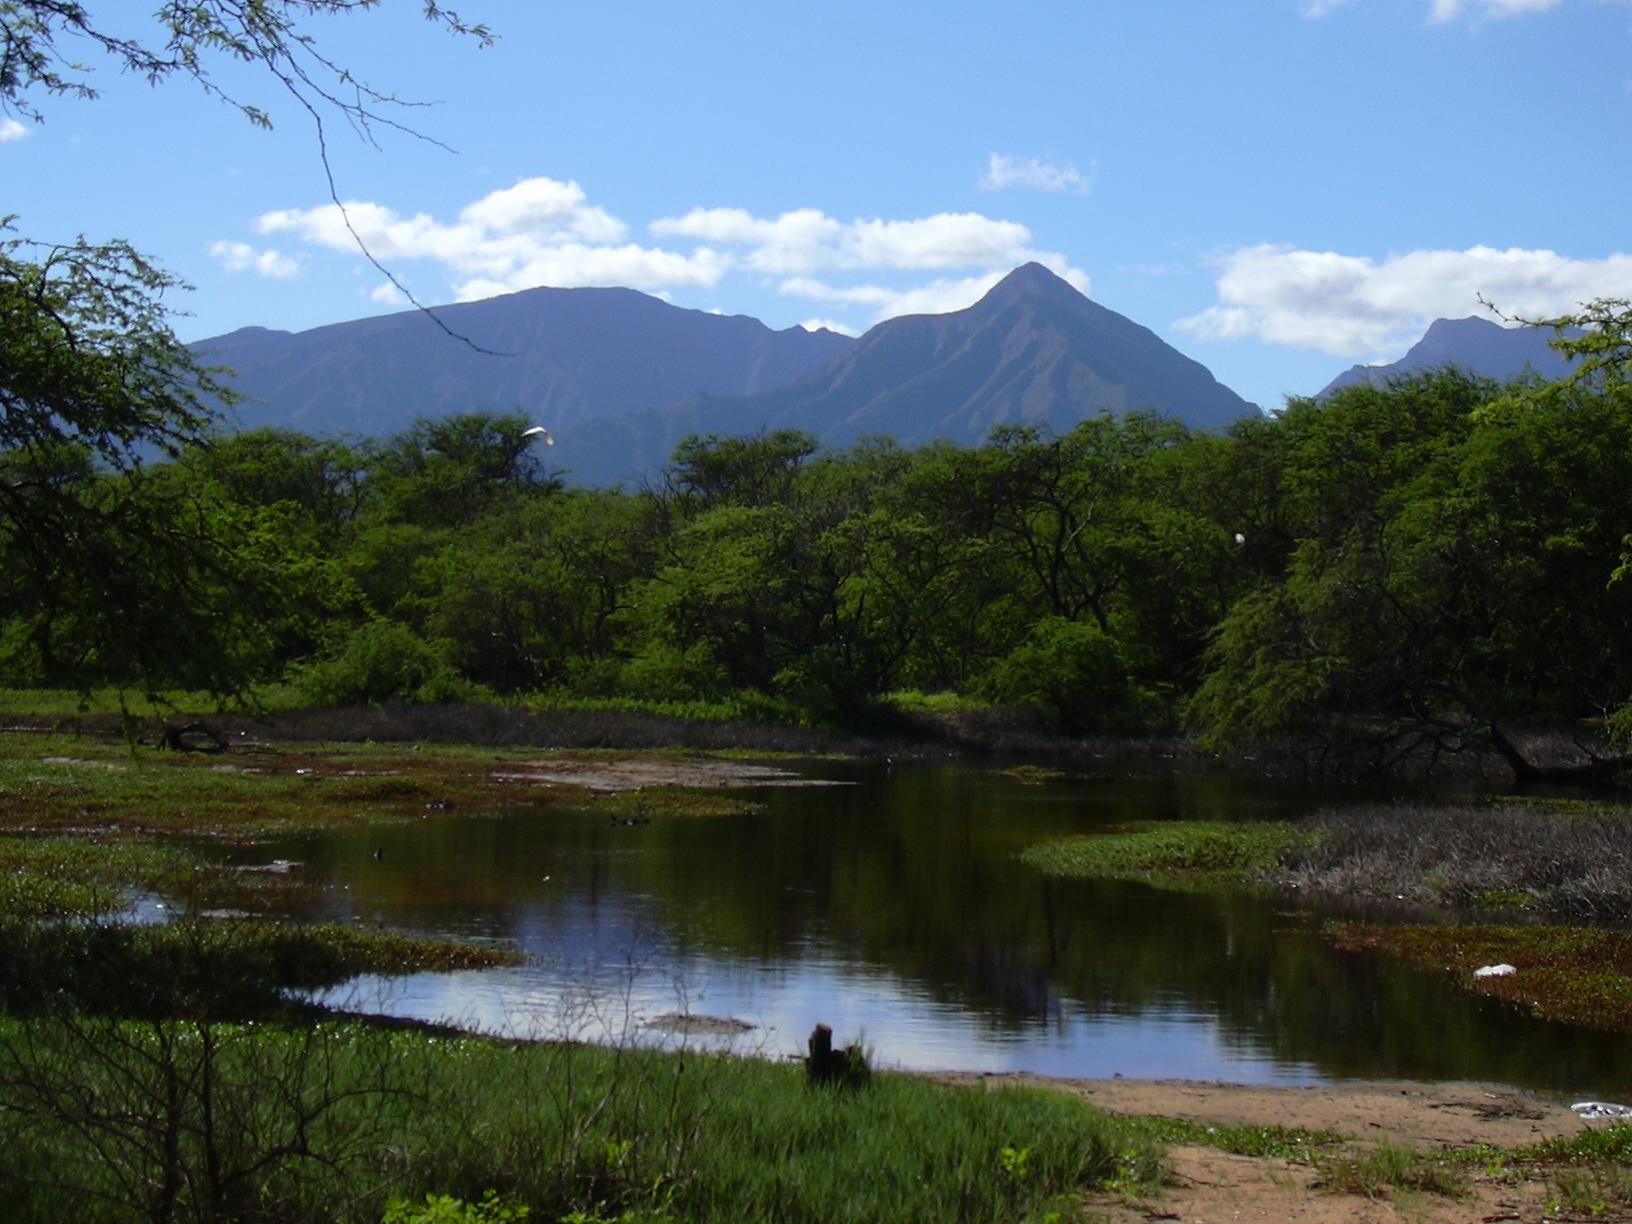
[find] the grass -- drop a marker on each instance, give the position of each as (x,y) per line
(1564,861)
(68,704)
(671,802)
(1574,975)
(1181,852)
(200,967)
(1272,1142)
(557,1129)
(1389,1168)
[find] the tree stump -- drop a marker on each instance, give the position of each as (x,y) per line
(824,1065)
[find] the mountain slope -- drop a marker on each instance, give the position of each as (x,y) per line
(1033,351)
(1480,346)
(561,356)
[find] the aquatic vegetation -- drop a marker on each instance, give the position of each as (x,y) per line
(1575,975)
(1200,851)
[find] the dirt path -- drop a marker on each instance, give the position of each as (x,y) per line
(1208,1185)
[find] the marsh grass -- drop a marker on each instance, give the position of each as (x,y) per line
(60,877)
(669,802)
(233,969)
(1181,852)
(1567,861)
(1574,975)
(558,1129)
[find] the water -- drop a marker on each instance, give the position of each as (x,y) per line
(894,909)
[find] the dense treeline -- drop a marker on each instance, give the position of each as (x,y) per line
(1415,560)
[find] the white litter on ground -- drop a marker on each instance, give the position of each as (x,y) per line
(1601,1109)
(1502,970)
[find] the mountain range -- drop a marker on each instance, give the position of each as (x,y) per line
(1033,351)
(621,377)
(1480,346)
(561,356)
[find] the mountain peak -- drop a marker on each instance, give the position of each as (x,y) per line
(1027,281)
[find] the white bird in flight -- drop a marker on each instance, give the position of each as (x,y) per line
(538,431)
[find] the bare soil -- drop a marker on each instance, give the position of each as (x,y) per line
(1206,1185)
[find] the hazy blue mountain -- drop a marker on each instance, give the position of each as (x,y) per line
(1480,346)
(571,355)
(1033,351)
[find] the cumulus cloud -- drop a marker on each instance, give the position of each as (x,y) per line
(544,231)
(1004,172)
(11,130)
(388,294)
(541,231)
(807,239)
(937,297)
(546,210)
(1353,306)
(241,257)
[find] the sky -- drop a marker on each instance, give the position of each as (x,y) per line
(1278,188)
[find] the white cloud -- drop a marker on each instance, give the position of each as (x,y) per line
(806,240)
(937,297)
(544,231)
(241,257)
(1442,12)
(1353,306)
(1319,8)
(546,209)
(11,130)
(575,264)
(387,294)
(539,232)
(1003,172)
(832,325)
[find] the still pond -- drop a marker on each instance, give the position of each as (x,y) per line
(893,907)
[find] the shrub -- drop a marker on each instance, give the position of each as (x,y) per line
(1076,672)
(383,661)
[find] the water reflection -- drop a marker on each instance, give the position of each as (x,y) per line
(895,908)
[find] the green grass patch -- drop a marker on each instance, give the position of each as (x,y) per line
(334,1122)
(912,701)
(59,877)
(749,707)
(1575,975)
(668,802)
(206,967)
(1596,1145)
(1273,1142)
(1199,851)
(67,703)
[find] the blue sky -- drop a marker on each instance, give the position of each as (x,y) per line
(1278,187)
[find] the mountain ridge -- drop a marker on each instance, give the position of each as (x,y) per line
(1032,351)
(1478,345)
(562,356)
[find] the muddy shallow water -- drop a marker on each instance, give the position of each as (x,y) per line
(893,908)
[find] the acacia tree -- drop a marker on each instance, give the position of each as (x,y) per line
(107,574)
